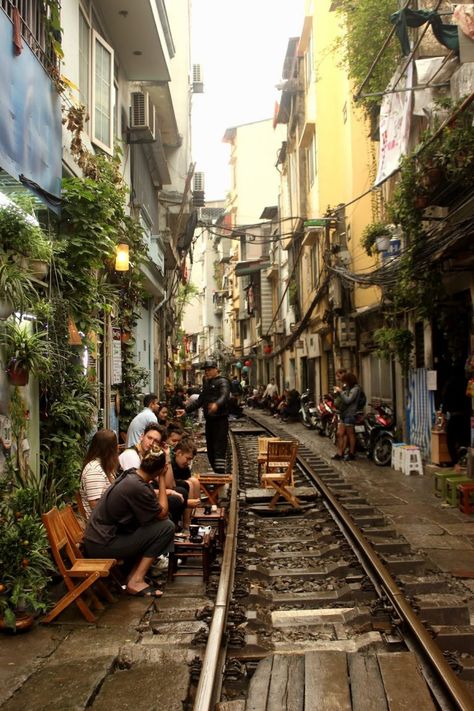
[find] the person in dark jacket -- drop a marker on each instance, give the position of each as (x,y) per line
(214,400)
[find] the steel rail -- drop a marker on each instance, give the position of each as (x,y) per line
(210,679)
(448,681)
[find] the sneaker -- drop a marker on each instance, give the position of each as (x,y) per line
(337,457)
(349,457)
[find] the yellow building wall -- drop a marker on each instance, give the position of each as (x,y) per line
(344,150)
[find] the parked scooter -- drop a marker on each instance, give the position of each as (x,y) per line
(308,411)
(374,433)
(327,417)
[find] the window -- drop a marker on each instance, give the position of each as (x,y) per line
(96,83)
(377,377)
(309,62)
(102,93)
(84,60)
(314,264)
(311,166)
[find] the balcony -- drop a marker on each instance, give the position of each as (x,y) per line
(140,32)
(32,25)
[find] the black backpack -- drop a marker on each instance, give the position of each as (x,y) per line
(361,400)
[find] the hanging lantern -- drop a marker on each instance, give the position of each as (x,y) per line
(122,253)
(238,364)
(248,363)
(267,349)
(245,369)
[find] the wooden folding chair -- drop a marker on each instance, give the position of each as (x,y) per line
(72,567)
(281,458)
(262,452)
(80,506)
(75,532)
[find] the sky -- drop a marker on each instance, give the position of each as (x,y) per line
(241,46)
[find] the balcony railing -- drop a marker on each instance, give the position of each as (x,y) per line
(34,31)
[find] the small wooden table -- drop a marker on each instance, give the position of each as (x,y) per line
(215,519)
(185,548)
(211,483)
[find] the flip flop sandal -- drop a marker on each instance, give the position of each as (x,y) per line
(149,591)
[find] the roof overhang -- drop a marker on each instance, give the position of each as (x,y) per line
(139,31)
(251,266)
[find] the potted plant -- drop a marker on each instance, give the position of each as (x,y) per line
(16,289)
(25,351)
(22,236)
(375,235)
(24,563)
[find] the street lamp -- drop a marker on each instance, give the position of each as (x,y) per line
(122,257)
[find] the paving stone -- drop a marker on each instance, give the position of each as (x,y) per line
(154,680)
(22,654)
(442,542)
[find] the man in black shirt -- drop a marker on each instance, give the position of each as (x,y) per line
(130,523)
(214,400)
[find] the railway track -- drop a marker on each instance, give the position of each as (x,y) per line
(329,582)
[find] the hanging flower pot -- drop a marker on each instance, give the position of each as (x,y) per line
(6,309)
(38,268)
(382,243)
(17,375)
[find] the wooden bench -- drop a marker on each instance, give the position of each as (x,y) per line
(79,574)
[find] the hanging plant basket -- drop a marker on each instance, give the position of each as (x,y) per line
(6,309)
(38,268)
(17,375)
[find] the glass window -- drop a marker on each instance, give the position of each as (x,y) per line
(377,378)
(102,115)
(84,61)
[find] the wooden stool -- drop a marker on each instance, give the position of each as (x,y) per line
(452,483)
(184,548)
(262,452)
(439,480)
(465,504)
(211,484)
(216,519)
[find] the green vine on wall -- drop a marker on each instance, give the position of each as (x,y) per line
(365,27)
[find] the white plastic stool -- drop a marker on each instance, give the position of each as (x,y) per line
(397,454)
(412,461)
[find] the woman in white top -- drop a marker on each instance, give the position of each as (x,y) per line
(99,468)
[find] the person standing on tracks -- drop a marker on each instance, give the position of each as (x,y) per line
(214,400)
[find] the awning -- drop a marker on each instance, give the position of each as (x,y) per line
(251,266)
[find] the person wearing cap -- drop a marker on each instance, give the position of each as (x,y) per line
(214,400)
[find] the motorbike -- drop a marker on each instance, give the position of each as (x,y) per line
(327,417)
(308,411)
(375,433)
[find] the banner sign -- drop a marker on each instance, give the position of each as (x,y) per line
(395,124)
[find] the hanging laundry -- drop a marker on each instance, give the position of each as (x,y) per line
(17,43)
(447,35)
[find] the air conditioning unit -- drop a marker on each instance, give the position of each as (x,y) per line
(198,84)
(142,116)
(279,326)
